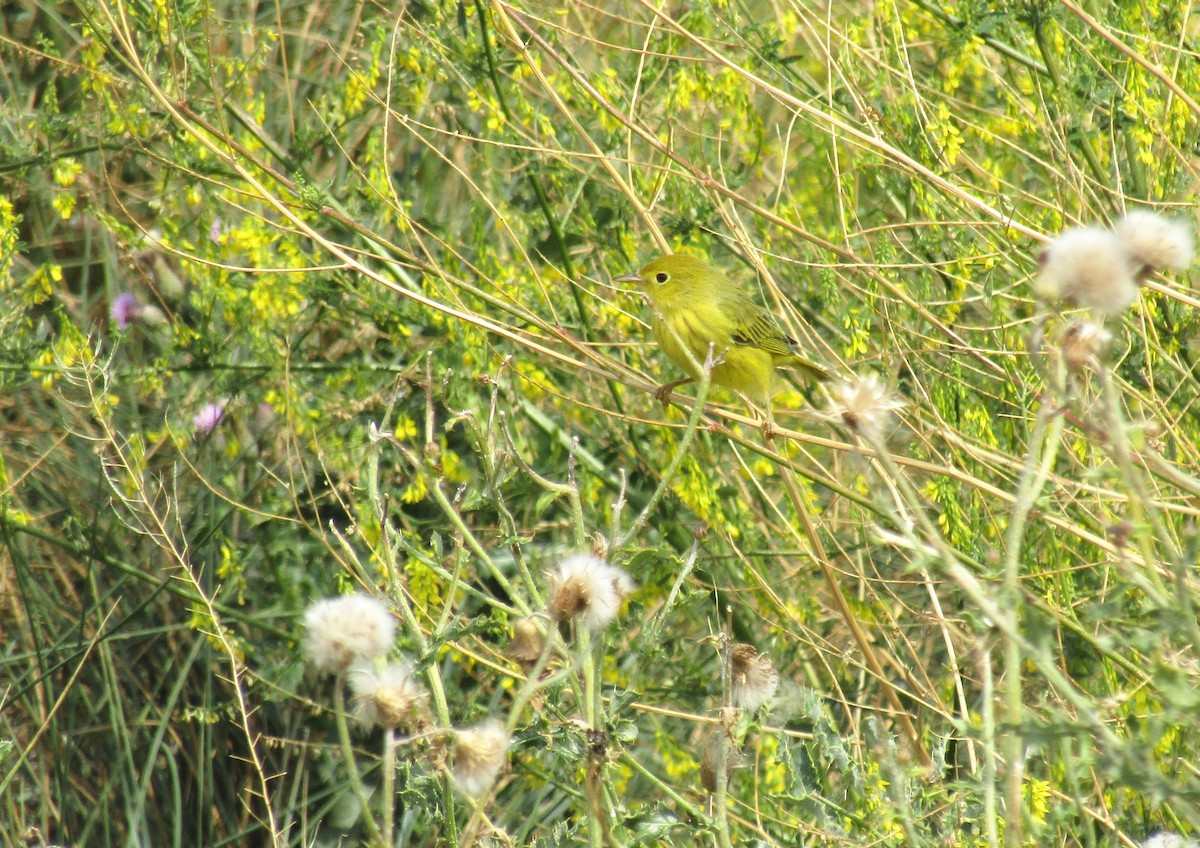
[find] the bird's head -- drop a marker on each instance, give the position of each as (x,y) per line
(670,277)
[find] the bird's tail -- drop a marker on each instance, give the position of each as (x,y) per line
(810,369)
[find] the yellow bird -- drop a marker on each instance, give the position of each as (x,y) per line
(695,306)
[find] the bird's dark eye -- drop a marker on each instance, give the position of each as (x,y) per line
(660,277)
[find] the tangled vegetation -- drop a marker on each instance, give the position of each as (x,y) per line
(316,300)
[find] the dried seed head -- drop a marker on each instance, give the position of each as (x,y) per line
(479,754)
(754,677)
(862,405)
(347,628)
(527,641)
(389,697)
(1083,344)
(1088,267)
(589,588)
(709,760)
(1155,242)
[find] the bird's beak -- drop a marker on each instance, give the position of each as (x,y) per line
(628,278)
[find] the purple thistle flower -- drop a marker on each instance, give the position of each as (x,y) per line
(209,416)
(125,310)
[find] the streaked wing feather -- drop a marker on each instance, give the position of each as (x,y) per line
(761,331)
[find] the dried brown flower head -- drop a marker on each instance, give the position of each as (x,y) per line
(754,677)
(1083,344)
(387,697)
(709,760)
(527,641)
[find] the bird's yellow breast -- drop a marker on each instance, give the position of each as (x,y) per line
(685,335)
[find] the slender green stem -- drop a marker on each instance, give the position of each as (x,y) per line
(569,489)
(388,787)
(593,766)
(587,665)
(341,719)
(1004,48)
(681,452)
(655,625)
(721,791)
(805,529)
(1142,515)
(1040,455)
(1142,510)
(432,485)
(413,627)
(988,733)
(666,788)
(389,538)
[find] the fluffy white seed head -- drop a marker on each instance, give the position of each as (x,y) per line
(1088,266)
(862,405)
(479,754)
(1168,839)
(754,677)
(1155,242)
(587,588)
(347,628)
(387,697)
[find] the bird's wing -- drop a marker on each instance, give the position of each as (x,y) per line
(754,327)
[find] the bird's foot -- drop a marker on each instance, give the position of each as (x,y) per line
(667,389)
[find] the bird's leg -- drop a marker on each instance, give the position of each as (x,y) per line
(710,362)
(664,391)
